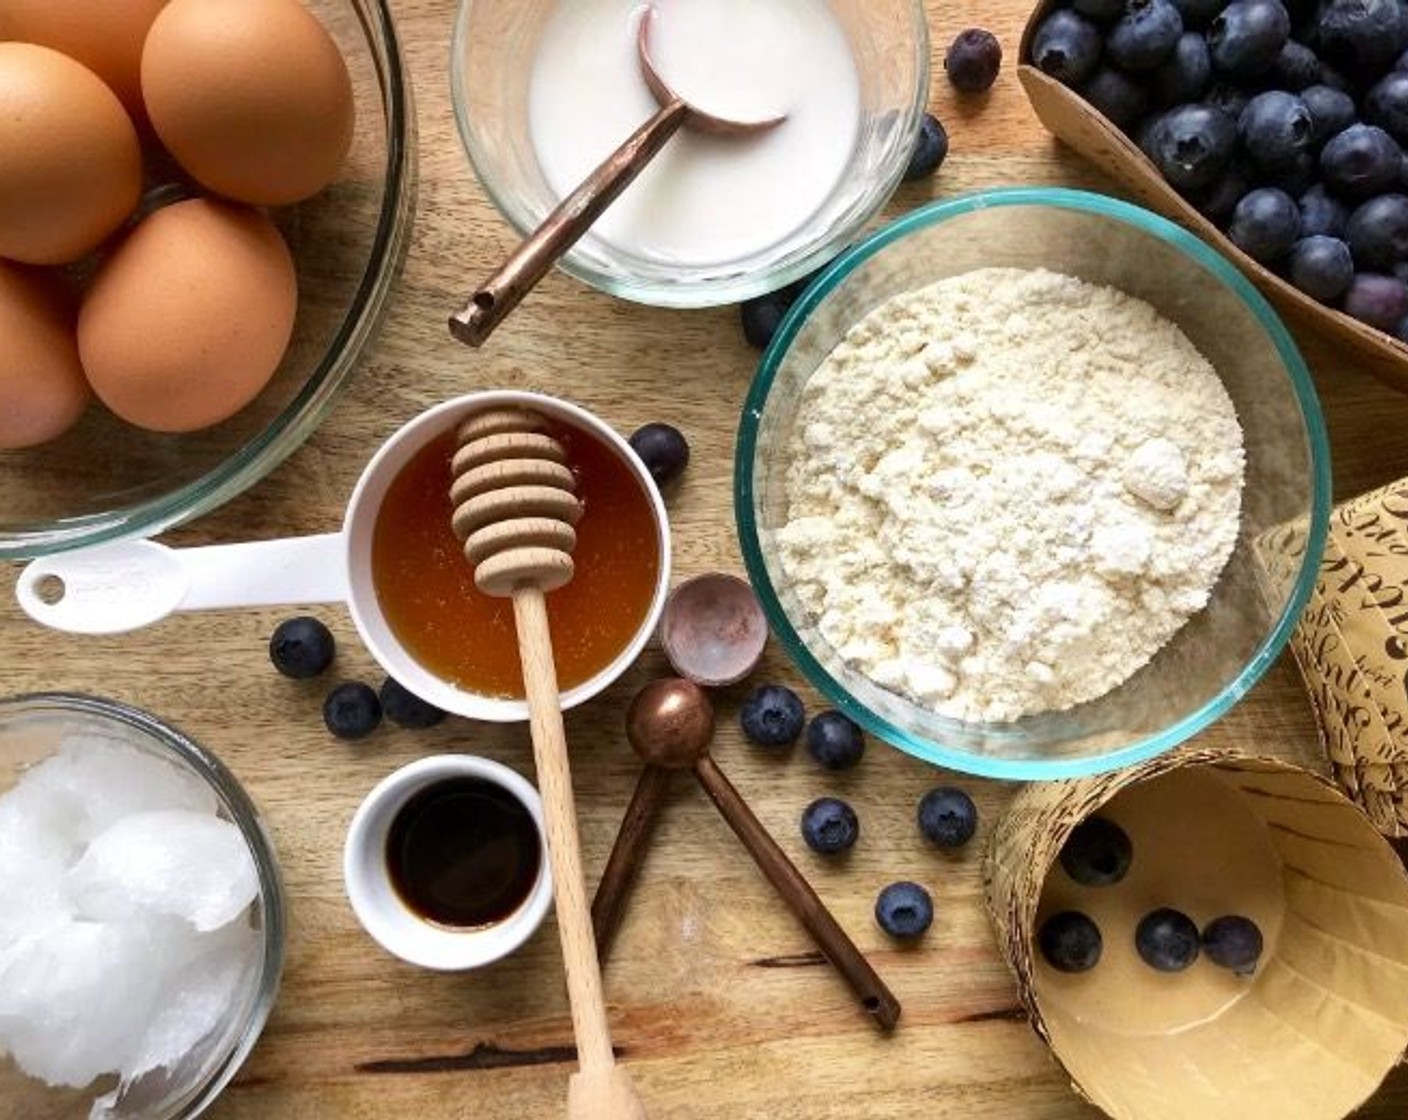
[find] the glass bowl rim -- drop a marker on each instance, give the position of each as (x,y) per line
(716,292)
(246,816)
(958,759)
(306,409)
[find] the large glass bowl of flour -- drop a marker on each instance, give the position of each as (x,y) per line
(1208,662)
(544,90)
(142,920)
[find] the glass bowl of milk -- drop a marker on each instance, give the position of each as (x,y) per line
(546,89)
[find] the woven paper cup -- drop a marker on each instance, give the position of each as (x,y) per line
(1310,1035)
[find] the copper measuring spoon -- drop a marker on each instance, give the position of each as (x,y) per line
(574,215)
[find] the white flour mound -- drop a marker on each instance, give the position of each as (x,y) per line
(1008,490)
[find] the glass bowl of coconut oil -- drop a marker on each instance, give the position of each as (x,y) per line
(1006,477)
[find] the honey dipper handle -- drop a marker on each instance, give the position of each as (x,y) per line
(833,941)
(599,1089)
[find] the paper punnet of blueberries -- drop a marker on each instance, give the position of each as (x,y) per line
(1284,123)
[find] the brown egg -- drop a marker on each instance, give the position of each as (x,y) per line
(105,35)
(189,318)
(42,390)
(252,97)
(70,163)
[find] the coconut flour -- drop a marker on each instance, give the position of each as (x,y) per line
(1008,490)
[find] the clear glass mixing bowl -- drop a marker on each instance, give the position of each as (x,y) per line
(490,69)
(1222,651)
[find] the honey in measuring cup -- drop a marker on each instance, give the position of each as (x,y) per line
(426,590)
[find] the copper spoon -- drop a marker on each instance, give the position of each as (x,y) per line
(670,724)
(574,215)
(514,510)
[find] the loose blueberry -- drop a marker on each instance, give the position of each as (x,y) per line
(947,817)
(405,709)
(1233,942)
(1185,75)
(904,910)
(1166,940)
(1070,941)
(1378,232)
(1246,37)
(761,317)
(1098,853)
(1381,301)
(1360,161)
(1198,13)
(663,449)
(1321,267)
(1322,214)
(829,825)
(1145,35)
(1331,111)
(1265,224)
(352,710)
(772,716)
(835,741)
(1115,96)
(930,149)
(1066,45)
(1360,36)
(1386,104)
(1191,145)
(1296,67)
(1274,128)
(973,60)
(1101,11)
(301,647)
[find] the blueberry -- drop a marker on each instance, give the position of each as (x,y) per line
(1101,11)
(930,149)
(1116,96)
(1331,111)
(1246,37)
(1183,76)
(1378,232)
(1361,36)
(1220,200)
(835,741)
(1228,97)
(1381,301)
(973,59)
(1296,177)
(904,910)
(1191,145)
(829,825)
(1066,45)
(947,817)
(1145,35)
(1098,853)
(1322,214)
(761,317)
(301,647)
(1386,104)
(1274,128)
(1296,67)
(663,449)
(1360,161)
(1166,940)
(1321,267)
(1400,332)
(773,716)
(1401,62)
(1265,224)
(1234,942)
(1070,941)
(352,710)
(405,709)
(1198,13)
(1331,77)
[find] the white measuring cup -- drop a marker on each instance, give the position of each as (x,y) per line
(126,585)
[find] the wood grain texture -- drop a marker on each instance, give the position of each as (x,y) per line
(718,1002)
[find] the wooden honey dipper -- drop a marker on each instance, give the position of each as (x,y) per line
(515,505)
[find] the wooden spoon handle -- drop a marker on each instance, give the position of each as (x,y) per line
(627,855)
(561,229)
(833,941)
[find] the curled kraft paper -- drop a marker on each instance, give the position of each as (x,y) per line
(1325,1016)
(1352,645)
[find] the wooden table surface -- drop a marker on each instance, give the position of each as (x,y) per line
(717,1000)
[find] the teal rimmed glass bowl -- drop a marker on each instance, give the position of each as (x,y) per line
(1221,652)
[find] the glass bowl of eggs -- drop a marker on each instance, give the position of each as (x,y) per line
(203,208)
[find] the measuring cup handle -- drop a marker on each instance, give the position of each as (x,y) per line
(112,588)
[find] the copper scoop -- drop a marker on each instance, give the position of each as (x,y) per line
(574,215)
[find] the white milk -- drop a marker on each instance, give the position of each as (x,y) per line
(704,199)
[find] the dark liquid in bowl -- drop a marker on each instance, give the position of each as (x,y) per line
(463,853)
